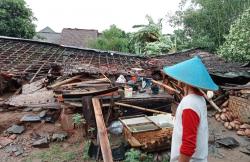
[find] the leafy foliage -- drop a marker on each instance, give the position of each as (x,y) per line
(16,19)
(112,39)
(149,38)
(207,21)
(180,40)
(78,119)
(236,46)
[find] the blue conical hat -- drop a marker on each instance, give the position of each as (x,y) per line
(192,72)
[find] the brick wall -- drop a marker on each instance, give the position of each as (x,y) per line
(240,108)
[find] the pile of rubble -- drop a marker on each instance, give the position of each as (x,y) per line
(14,144)
(117,92)
(235,110)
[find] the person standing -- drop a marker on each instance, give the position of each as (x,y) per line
(190,134)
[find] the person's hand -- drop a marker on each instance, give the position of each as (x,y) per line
(184,158)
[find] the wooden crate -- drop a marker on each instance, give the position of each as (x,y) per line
(152,138)
(240,108)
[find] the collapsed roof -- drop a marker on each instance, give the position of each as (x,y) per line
(33,59)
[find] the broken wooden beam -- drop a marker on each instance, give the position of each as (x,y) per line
(88,93)
(140,108)
(57,84)
(166,86)
(102,131)
(93,85)
(102,80)
(107,78)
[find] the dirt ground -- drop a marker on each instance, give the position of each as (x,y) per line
(72,149)
(69,150)
(217,130)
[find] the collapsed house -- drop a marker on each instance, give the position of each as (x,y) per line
(106,87)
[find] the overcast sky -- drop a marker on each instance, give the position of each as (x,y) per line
(99,14)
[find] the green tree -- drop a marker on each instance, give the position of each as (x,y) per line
(16,19)
(112,39)
(149,38)
(237,47)
(180,39)
(207,21)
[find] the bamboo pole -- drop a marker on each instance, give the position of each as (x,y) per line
(210,101)
(166,86)
(140,108)
(178,92)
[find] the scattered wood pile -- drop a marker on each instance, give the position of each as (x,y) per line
(235,114)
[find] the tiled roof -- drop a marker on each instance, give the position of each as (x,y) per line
(47,30)
(68,37)
(33,60)
(77,37)
(47,35)
(213,62)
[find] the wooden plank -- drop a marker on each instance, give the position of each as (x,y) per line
(246,91)
(134,142)
(107,78)
(92,85)
(57,84)
(140,108)
(88,93)
(102,131)
(102,80)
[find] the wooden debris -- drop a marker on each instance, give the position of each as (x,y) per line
(79,84)
(210,101)
(75,94)
(106,78)
(146,133)
(140,108)
(57,84)
(102,131)
(225,104)
(166,86)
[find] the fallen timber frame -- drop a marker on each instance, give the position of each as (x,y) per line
(32,60)
(102,131)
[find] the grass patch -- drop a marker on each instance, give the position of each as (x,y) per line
(85,150)
(54,154)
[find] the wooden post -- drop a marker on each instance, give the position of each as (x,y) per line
(102,131)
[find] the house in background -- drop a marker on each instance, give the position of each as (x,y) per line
(68,37)
(47,35)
